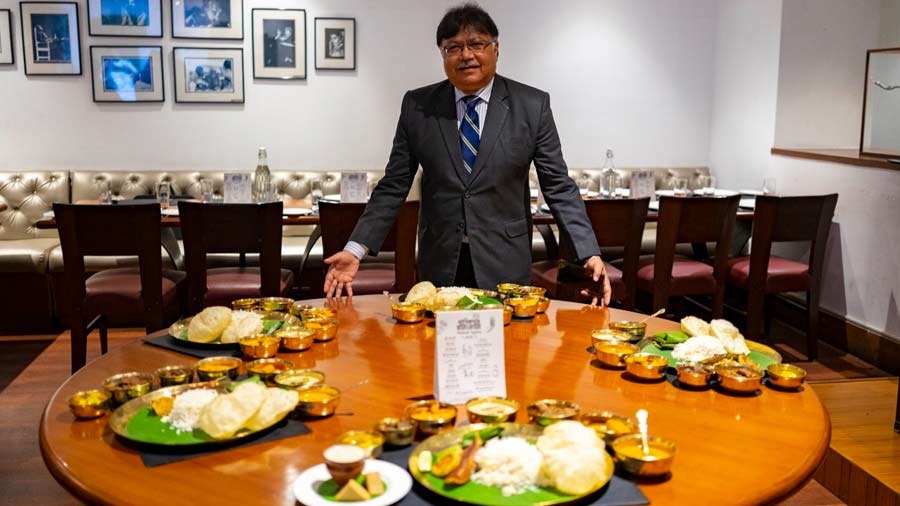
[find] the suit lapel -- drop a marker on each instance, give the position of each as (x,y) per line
(446,116)
(493,125)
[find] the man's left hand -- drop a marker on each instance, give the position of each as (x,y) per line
(595,264)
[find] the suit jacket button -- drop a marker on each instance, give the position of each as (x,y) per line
(467,195)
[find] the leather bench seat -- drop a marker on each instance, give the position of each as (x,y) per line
(26,255)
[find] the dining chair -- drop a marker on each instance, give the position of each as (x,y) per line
(696,220)
(232,228)
(118,296)
(337,222)
(617,223)
(761,274)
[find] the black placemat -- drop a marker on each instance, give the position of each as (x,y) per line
(618,492)
(153,456)
(168,342)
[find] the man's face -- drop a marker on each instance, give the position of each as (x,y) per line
(466,68)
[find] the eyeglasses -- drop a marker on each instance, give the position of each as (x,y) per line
(476,46)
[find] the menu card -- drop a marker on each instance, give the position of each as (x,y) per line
(238,188)
(354,187)
(643,184)
(468,355)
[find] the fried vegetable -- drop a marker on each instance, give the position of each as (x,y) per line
(162,406)
(484,434)
(425,461)
(447,460)
(463,472)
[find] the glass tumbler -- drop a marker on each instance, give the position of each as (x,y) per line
(680,187)
(206,190)
(104,194)
(163,194)
(709,185)
(315,193)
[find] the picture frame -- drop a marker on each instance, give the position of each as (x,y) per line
(207,19)
(127,74)
(335,43)
(7,50)
(209,75)
(881,104)
(279,43)
(125,18)
(51,44)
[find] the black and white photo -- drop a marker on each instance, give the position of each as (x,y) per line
(50,38)
(208,19)
(209,75)
(125,18)
(335,43)
(127,73)
(279,43)
(207,13)
(7,53)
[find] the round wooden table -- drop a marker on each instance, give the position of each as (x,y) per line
(730,450)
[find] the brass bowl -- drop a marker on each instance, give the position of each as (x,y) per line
(126,386)
(214,368)
(325,328)
(523,307)
(481,292)
(298,308)
(601,336)
(89,404)
(491,410)
(431,417)
(543,305)
(369,440)
(276,304)
(507,289)
(549,411)
(172,375)
(295,379)
(786,375)
(531,291)
(635,329)
(318,400)
(268,368)
(694,375)
(608,425)
(646,366)
(408,312)
(740,379)
(260,346)
(507,314)
(612,354)
(310,313)
(396,431)
(244,304)
(630,454)
(296,338)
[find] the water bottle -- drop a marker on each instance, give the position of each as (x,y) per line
(608,177)
(262,179)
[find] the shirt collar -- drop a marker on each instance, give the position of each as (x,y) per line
(484,93)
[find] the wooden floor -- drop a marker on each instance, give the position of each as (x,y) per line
(40,363)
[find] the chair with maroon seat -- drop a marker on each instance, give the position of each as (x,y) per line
(337,222)
(784,219)
(616,223)
(232,228)
(696,220)
(120,296)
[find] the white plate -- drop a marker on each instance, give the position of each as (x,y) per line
(665,193)
(397,484)
(296,211)
(48,215)
(718,193)
(654,205)
(751,192)
(748,203)
(332,197)
(170,211)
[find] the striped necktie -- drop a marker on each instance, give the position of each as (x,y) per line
(469,133)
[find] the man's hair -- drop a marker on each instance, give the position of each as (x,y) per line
(468,15)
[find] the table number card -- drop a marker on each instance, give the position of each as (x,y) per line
(354,187)
(238,188)
(469,355)
(643,184)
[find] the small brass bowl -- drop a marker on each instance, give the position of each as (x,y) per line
(694,375)
(276,304)
(298,308)
(740,379)
(325,328)
(636,329)
(260,346)
(311,313)
(786,375)
(481,292)
(408,312)
(549,411)
(431,417)
(318,400)
(296,338)
(612,354)
(531,291)
(630,454)
(295,379)
(543,305)
(491,410)
(396,432)
(507,314)
(369,440)
(268,368)
(601,336)
(213,368)
(646,366)
(507,289)
(172,375)
(126,386)
(89,404)
(608,425)
(523,307)
(244,304)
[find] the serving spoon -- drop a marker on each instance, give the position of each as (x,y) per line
(645,320)
(642,426)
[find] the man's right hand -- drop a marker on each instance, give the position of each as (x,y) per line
(341,271)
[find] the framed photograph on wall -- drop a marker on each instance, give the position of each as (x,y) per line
(279,43)
(50,41)
(7,52)
(208,19)
(127,73)
(336,43)
(125,18)
(209,75)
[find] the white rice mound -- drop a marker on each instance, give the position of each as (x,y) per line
(508,462)
(574,458)
(187,407)
(698,349)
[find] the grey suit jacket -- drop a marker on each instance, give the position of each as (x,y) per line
(492,204)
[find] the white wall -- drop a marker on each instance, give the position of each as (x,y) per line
(634,76)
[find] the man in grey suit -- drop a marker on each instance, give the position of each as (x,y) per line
(475,136)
